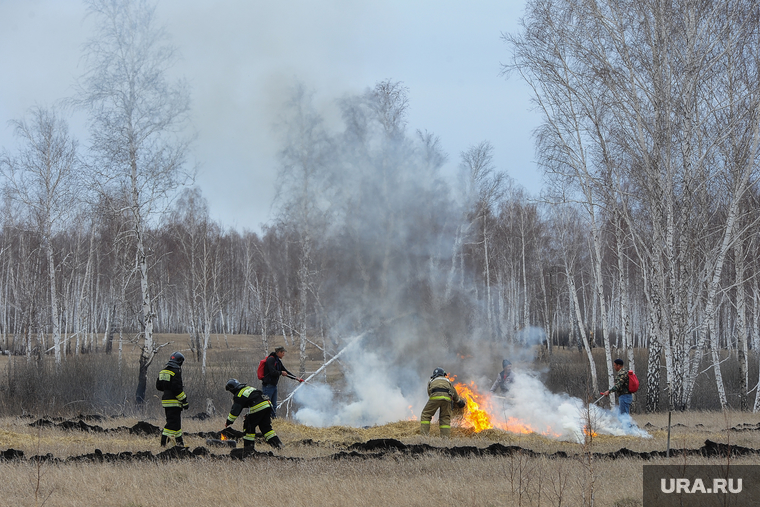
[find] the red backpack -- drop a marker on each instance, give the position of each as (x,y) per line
(633,382)
(263,362)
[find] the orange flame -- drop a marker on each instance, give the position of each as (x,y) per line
(222,436)
(479,410)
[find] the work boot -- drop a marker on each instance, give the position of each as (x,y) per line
(180,442)
(275,442)
(425,429)
(249,445)
(163,440)
(445,432)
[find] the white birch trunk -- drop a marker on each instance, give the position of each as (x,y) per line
(53,299)
(581,327)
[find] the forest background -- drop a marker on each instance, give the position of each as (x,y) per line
(643,244)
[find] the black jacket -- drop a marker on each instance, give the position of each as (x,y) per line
(170,382)
(273,370)
(250,398)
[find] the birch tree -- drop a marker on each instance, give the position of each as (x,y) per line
(664,96)
(137,123)
(484,187)
(44,178)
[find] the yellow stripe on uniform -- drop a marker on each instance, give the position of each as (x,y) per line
(261,406)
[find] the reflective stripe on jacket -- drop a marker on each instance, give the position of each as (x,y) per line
(250,398)
(440,388)
(174,395)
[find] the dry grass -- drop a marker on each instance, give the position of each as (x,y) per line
(305,473)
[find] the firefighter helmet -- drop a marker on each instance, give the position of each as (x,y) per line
(232,385)
(177,357)
(439,372)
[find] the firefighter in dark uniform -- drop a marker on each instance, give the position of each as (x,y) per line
(259,413)
(441,396)
(174,399)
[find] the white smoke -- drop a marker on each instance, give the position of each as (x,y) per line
(557,416)
(393,224)
(372,397)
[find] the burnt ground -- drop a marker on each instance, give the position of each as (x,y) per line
(371,449)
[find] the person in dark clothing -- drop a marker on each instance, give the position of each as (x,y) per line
(259,413)
(273,370)
(505,378)
(174,399)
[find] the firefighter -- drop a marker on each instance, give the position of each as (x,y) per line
(174,399)
(442,395)
(259,413)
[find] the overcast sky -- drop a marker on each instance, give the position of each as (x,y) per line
(242,56)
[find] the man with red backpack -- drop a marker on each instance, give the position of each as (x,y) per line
(273,370)
(621,387)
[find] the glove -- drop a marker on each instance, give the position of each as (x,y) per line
(185,405)
(461,403)
(300,380)
(227,423)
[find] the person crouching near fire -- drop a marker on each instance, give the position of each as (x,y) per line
(442,395)
(259,413)
(174,399)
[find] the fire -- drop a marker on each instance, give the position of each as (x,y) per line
(222,436)
(413,416)
(474,417)
(479,413)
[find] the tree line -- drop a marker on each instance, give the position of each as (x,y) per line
(643,237)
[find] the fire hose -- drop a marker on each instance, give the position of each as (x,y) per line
(296,378)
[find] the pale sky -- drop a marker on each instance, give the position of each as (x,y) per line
(241,57)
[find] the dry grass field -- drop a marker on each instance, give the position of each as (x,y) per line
(327,466)
(309,470)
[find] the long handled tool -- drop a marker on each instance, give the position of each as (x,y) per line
(598,400)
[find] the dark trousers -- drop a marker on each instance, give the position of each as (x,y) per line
(262,419)
(173,426)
